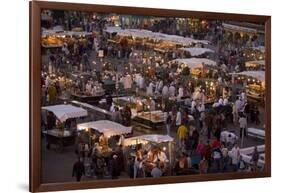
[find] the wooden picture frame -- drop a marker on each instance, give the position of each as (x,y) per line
(36,184)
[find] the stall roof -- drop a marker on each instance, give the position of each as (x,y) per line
(239,28)
(64,112)
(197,51)
(154,35)
(260,48)
(256,62)
(64,33)
(148,138)
(108,128)
(260,75)
(195,62)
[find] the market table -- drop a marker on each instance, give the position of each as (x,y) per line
(256,133)
(153,119)
(62,137)
(59,138)
(92,99)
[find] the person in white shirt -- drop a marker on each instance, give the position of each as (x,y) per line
(243,125)
(225,101)
(235,114)
(238,104)
(149,89)
(152,105)
(180,95)
(219,80)
(88,87)
(141,82)
(162,156)
(172,91)
(48,81)
(112,107)
(127,82)
(178,118)
(203,96)
(220,101)
(201,108)
(65,49)
(165,91)
(228,138)
(243,96)
(189,162)
(235,155)
(193,106)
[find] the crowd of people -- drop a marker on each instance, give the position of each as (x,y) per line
(195,114)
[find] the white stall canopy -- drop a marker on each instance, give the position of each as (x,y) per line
(64,112)
(108,128)
(260,75)
(237,28)
(60,33)
(197,51)
(186,41)
(195,62)
(148,138)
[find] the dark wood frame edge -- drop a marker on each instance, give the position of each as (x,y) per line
(35,7)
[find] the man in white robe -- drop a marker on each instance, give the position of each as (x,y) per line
(180,95)
(149,89)
(165,91)
(172,91)
(178,118)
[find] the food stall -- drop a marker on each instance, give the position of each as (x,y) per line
(254,53)
(107,129)
(153,39)
(60,136)
(255,83)
(255,65)
(57,37)
(197,66)
(105,137)
(163,144)
(150,119)
(87,88)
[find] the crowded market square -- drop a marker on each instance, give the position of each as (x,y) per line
(128,96)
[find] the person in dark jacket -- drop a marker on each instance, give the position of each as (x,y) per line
(114,167)
(78,170)
(51,121)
